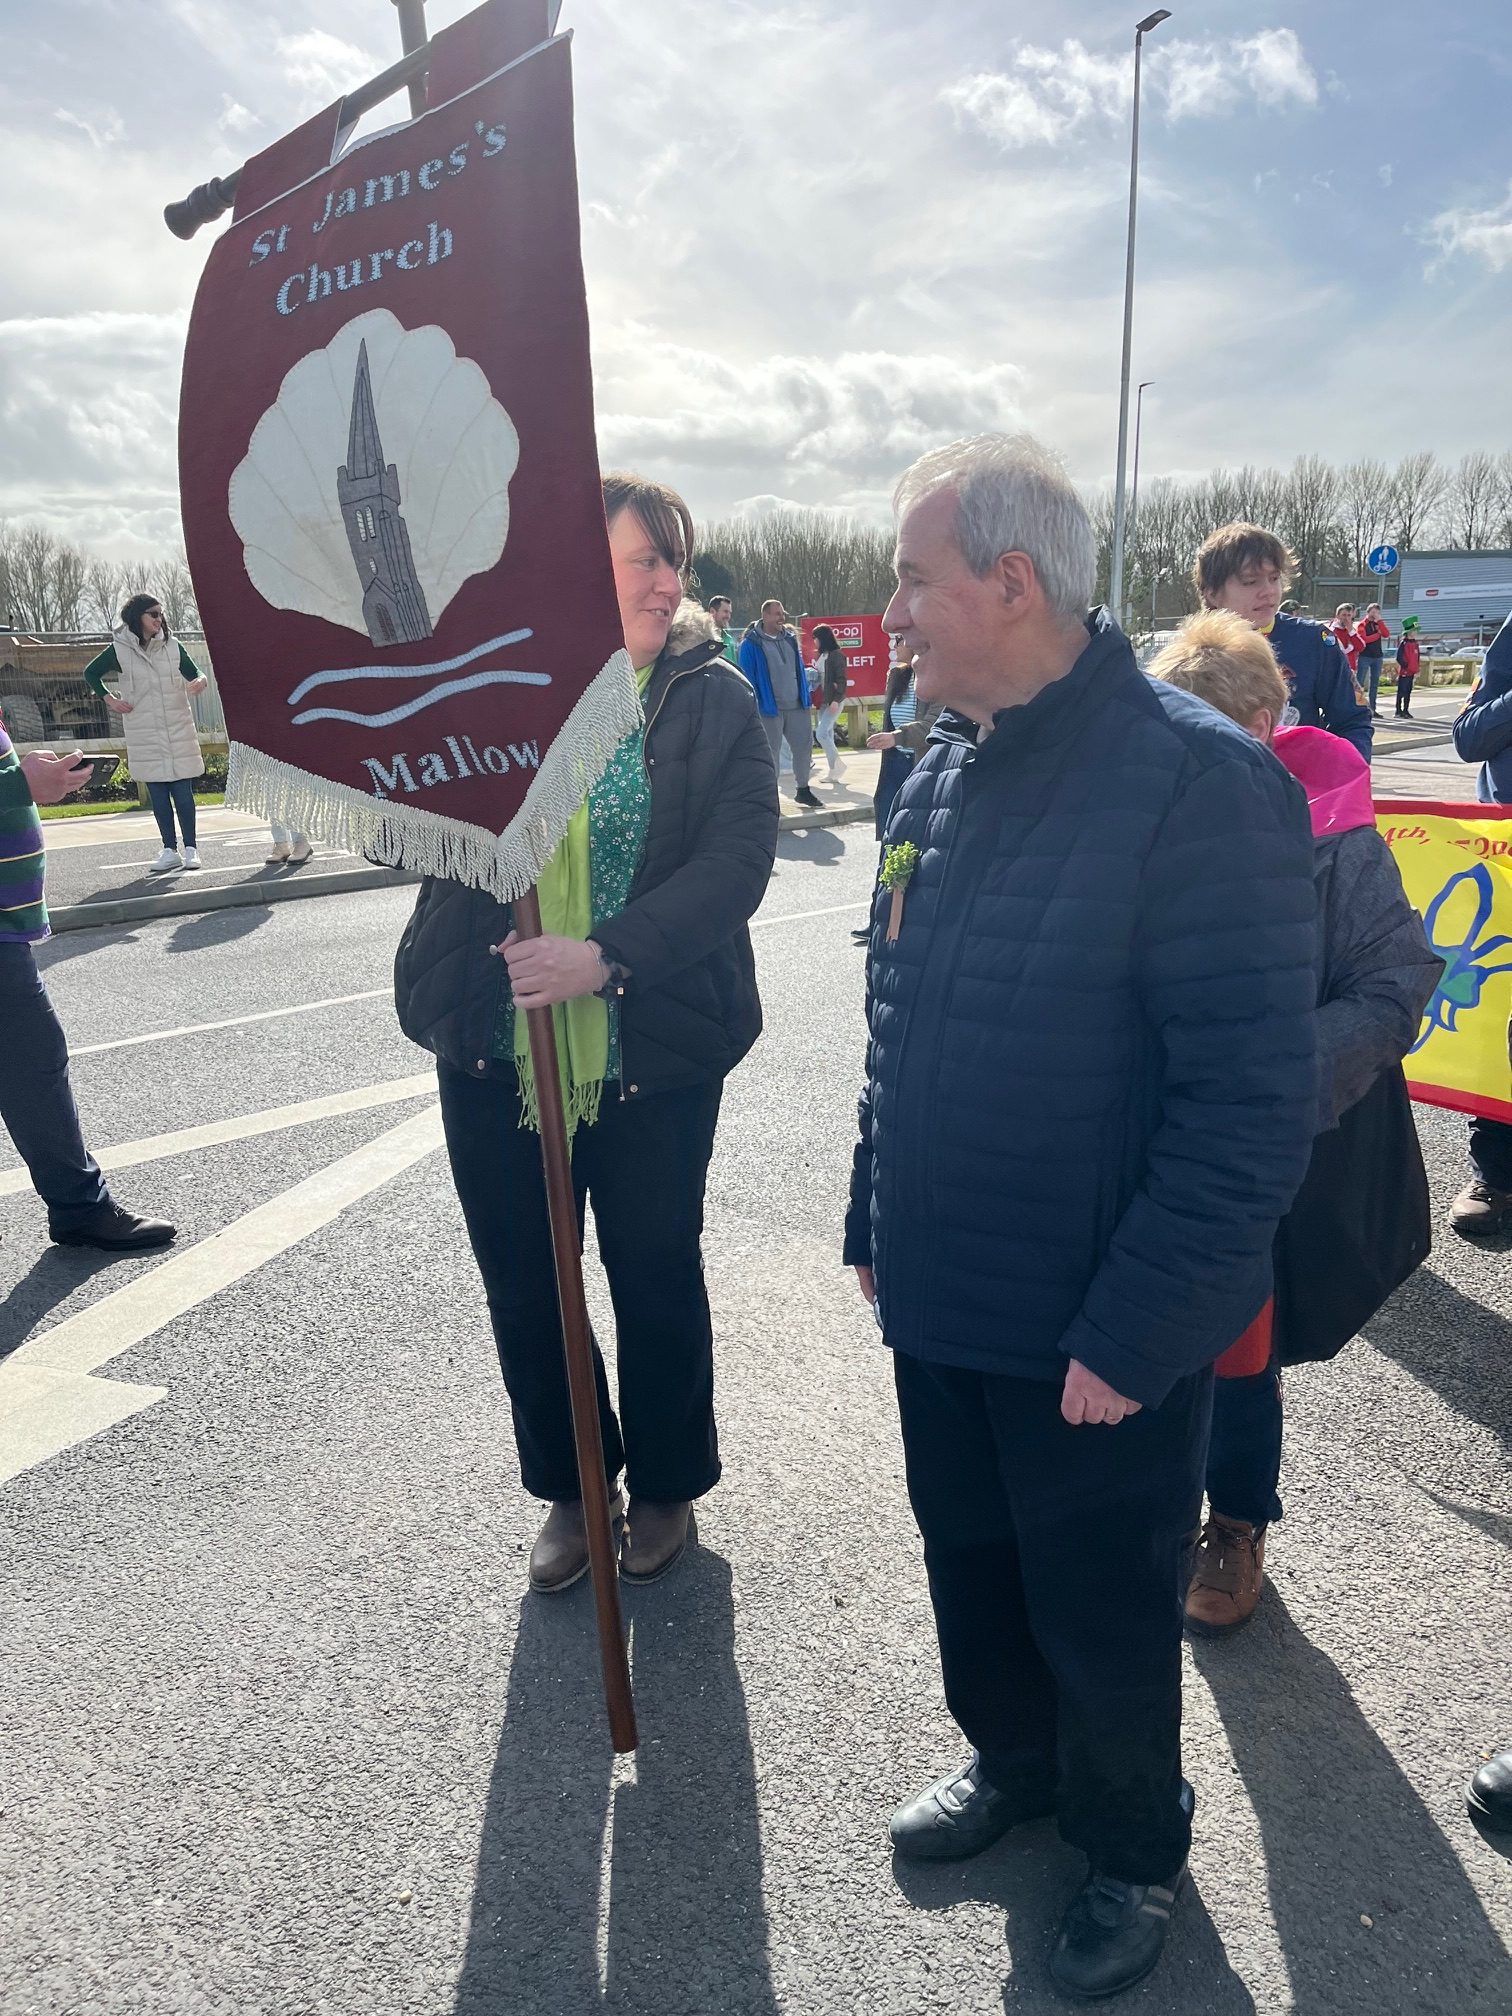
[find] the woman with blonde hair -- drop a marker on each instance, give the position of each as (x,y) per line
(1360,1222)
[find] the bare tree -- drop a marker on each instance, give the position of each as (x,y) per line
(1308,512)
(1471,501)
(1417,490)
(1365,492)
(818,562)
(1503,531)
(104,592)
(176,593)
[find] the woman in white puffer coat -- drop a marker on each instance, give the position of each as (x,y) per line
(156,676)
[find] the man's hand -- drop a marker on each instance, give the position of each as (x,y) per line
(1085,1398)
(52,777)
(116,705)
(546,971)
(867,1282)
(885,738)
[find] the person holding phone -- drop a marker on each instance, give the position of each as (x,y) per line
(36,1099)
(156,678)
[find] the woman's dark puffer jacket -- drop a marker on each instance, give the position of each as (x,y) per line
(690,1010)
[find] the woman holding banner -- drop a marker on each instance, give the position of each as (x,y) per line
(647,961)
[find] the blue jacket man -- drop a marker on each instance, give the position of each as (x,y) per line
(772,662)
(1090,1096)
(1483,733)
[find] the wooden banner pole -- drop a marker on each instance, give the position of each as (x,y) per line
(562,1205)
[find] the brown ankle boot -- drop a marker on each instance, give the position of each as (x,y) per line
(655,1537)
(1228,1573)
(560,1555)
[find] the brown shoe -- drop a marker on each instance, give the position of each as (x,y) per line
(1228,1573)
(655,1537)
(560,1555)
(1478,1211)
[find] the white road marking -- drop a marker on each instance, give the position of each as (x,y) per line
(118,1322)
(47,1412)
(231,1022)
(798,916)
(371,994)
(48,1401)
(244,1127)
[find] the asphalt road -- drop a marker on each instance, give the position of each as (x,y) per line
(282,1731)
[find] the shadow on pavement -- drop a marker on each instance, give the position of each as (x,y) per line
(1346,1836)
(75,944)
(1454,1344)
(218,927)
(1031,1875)
(52,1277)
(820,847)
(682,1927)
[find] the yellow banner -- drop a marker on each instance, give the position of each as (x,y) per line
(1456,863)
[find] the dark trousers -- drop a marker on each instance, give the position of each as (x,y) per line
(643,1166)
(1491,1152)
(36,1099)
(1244,1454)
(1055,1558)
(166,799)
(1370,678)
(1404,692)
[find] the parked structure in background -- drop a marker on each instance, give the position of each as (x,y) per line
(45,702)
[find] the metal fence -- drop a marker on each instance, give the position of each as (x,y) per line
(45,703)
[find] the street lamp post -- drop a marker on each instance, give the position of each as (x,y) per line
(1115,585)
(1144,387)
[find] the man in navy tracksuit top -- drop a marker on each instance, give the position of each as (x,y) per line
(1090,1096)
(1245,568)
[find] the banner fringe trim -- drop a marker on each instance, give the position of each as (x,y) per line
(396,833)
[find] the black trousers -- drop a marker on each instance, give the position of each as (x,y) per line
(643,1166)
(36,1099)
(1491,1151)
(1055,1559)
(1404,692)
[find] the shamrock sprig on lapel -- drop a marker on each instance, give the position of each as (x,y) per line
(898,865)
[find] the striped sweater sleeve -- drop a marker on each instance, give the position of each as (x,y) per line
(23,914)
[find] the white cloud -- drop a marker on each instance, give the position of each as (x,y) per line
(1047,94)
(1275,68)
(834,425)
(1483,234)
(321,65)
(100,133)
(236,118)
(1385,172)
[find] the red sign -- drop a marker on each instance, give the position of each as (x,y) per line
(864,642)
(390,485)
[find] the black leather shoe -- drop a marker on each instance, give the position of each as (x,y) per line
(804,796)
(1114,1932)
(1489,1794)
(960,1816)
(115,1230)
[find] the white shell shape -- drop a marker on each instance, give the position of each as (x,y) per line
(453,444)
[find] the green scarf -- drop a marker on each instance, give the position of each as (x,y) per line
(586,880)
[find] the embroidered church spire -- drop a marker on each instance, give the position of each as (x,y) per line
(393,602)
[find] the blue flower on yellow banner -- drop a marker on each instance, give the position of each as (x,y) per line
(1466,959)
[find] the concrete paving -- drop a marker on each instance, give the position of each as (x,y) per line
(283,1732)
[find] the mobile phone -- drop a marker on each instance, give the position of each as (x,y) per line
(104,768)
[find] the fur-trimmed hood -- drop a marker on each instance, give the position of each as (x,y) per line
(692,625)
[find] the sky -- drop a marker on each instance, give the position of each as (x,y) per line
(820,238)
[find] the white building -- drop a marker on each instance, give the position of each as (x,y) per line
(1466,596)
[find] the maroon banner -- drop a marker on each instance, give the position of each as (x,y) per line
(390,481)
(864,642)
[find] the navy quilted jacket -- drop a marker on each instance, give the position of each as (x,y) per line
(1091,1077)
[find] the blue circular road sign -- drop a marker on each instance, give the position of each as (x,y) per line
(1383,560)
